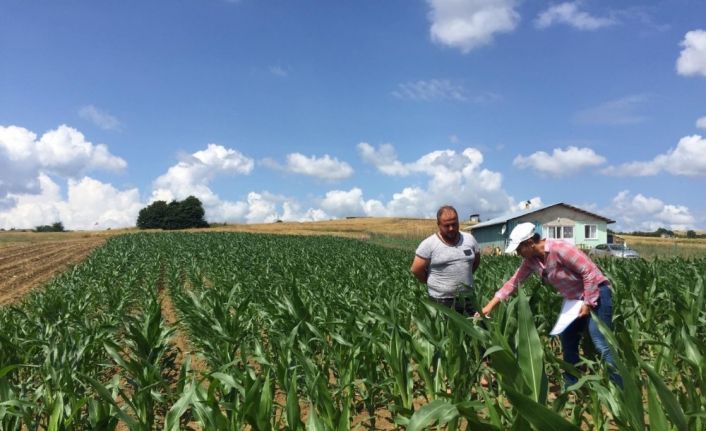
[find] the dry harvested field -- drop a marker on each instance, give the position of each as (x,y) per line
(650,247)
(27,265)
(362,227)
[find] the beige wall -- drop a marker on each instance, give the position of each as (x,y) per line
(551,214)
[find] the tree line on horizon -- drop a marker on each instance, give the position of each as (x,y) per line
(185,214)
(661,232)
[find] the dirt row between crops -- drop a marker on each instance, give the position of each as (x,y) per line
(25,267)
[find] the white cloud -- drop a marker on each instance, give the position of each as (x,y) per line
(692,59)
(614,112)
(30,197)
(407,203)
(17,143)
(224,160)
(326,167)
(469,24)
(90,204)
(440,90)
(266,207)
(99,205)
(261,209)
(100,118)
(66,152)
(341,203)
(452,177)
(427,91)
(291,211)
(279,71)
(561,162)
(642,213)
(568,13)
(384,159)
(192,175)
(701,123)
(63,152)
(687,159)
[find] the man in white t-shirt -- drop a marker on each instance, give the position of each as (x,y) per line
(446,261)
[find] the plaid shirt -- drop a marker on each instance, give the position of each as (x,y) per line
(565,267)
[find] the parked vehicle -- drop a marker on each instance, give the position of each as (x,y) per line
(613,250)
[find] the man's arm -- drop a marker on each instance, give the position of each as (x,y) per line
(476,262)
(420,268)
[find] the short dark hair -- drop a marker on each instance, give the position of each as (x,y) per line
(443,209)
(534,238)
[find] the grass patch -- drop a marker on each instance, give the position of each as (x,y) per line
(650,247)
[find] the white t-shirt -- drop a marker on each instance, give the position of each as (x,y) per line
(450,267)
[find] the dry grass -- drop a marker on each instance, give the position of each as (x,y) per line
(395,232)
(28,237)
(666,247)
(363,227)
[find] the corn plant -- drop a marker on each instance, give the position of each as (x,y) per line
(329,333)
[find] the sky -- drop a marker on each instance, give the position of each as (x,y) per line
(292,110)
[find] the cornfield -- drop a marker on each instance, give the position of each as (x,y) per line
(324,333)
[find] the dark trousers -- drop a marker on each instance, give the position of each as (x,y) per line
(461,304)
(571,337)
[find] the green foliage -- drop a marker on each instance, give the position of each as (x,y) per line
(185,214)
(324,333)
(657,233)
(152,216)
(54,227)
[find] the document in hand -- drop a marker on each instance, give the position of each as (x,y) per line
(570,309)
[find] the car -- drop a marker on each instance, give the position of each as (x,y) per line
(613,250)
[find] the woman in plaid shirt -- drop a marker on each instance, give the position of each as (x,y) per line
(574,276)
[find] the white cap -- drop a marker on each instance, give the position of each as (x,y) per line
(521,232)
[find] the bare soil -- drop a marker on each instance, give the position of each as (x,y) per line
(26,266)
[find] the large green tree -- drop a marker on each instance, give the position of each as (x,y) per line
(54,227)
(152,216)
(173,215)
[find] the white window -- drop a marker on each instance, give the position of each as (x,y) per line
(560,232)
(551,232)
(568,232)
(590,231)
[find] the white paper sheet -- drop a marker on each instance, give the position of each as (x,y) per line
(570,309)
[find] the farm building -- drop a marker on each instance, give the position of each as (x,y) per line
(558,221)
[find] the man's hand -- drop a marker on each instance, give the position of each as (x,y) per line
(585,310)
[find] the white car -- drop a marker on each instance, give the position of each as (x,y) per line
(613,250)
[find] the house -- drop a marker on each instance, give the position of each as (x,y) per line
(558,221)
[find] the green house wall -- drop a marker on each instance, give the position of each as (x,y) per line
(492,237)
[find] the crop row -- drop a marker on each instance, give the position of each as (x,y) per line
(328,333)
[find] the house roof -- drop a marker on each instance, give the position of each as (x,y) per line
(507,217)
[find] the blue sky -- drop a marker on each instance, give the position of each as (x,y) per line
(297,110)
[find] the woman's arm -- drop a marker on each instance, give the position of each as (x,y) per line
(509,287)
